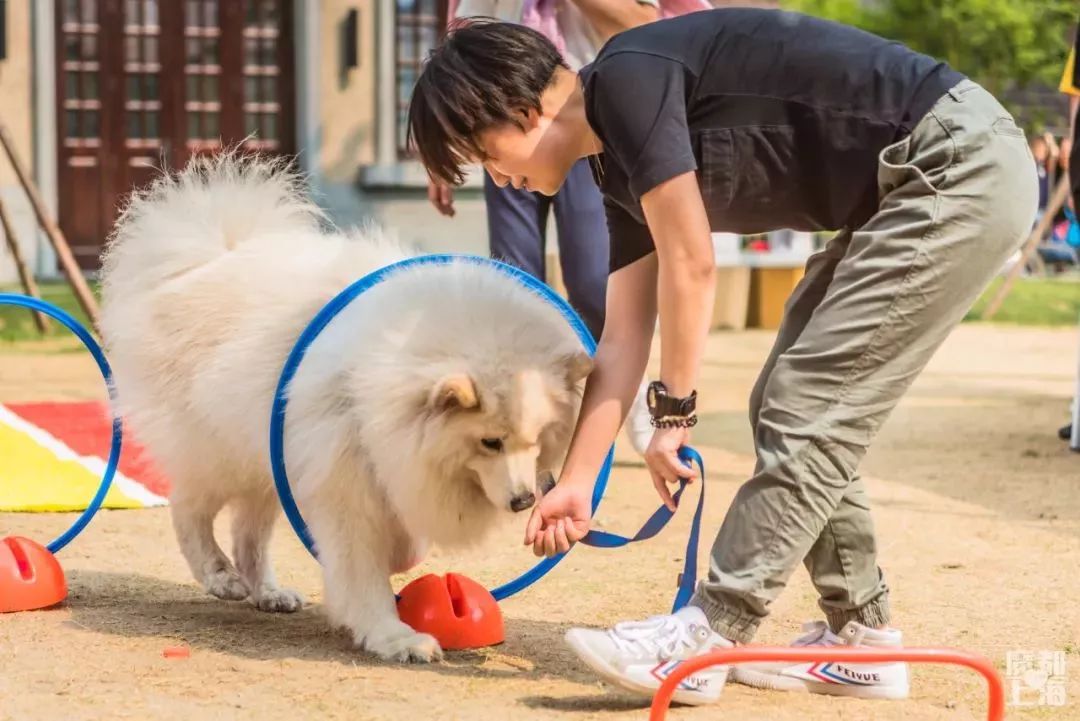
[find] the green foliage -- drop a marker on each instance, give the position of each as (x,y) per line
(851,12)
(1001,44)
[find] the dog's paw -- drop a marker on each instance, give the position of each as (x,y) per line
(413,648)
(404,645)
(278,600)
(227,585)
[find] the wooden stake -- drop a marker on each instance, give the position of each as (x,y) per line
(1061,193)
(63,251)
(25,277)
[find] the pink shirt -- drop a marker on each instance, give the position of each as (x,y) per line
(543,16)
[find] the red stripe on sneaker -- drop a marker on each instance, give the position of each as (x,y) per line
(816,673)
(654,673)
(662,670)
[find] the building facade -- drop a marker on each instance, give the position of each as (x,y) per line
(98,94)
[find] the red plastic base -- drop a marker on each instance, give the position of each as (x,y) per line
(30,576)
(457,611)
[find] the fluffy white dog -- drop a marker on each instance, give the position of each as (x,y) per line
(422,414)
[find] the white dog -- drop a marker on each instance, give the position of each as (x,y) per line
(422,414)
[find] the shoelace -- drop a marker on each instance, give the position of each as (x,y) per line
(662,636)
(816,633)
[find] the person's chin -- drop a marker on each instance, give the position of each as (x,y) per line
(548,189)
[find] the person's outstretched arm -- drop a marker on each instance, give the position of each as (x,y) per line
(562,516)
(684,270)
(687,285)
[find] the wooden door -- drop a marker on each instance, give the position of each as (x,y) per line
(145,84)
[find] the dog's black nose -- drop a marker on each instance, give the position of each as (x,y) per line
(520,503)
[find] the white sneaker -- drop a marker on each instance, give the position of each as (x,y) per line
(864,680)
(638,424)
(639,655)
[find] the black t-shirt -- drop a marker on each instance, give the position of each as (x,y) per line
(782,115)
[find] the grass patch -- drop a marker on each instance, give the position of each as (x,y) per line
(1035,302)
(17,324)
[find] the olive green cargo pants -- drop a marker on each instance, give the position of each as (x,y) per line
(957,197)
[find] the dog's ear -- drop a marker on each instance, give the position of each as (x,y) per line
(453,392)
(578,365)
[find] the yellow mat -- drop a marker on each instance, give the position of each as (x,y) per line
(38,472)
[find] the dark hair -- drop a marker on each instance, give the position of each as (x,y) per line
(481,75)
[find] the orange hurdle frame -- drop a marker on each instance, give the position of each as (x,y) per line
(743,654)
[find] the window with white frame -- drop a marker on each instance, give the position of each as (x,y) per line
(418,26)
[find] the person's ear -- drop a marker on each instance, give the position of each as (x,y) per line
(530,119)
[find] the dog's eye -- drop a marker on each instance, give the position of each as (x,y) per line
(492,444)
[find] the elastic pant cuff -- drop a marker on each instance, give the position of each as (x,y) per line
(873,615)
(733,624)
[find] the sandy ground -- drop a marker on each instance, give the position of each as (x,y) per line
(977,506)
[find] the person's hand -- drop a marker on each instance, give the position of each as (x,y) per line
(442,197)
(662,458)
(560,519)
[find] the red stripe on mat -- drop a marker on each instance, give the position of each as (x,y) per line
(85,428)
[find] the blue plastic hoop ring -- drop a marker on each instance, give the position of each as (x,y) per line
(330,311)
(83,334)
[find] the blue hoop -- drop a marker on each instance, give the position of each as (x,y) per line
(83,334)
(330,311)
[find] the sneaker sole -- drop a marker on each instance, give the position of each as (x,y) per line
(611,675)
(776,682)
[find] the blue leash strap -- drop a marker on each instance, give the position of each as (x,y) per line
(656,523)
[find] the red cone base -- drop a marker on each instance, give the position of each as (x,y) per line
(457,611)
(30,576)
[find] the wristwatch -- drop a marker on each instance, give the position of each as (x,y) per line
(667,411)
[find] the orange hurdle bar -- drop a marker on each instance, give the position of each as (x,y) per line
(744,654)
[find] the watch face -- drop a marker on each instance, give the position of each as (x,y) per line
(650,396)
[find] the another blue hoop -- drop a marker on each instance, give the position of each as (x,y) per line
(330,311)
(83,334)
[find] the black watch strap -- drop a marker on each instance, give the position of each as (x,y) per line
(668,411)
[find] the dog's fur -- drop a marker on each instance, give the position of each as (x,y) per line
(208,281)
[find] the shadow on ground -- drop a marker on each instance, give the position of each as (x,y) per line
(133,605)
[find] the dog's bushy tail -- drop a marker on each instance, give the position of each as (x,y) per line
(188,219)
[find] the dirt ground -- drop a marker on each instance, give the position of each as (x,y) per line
(977,507)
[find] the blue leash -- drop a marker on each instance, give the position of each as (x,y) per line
(598,539)
(87,339)
(656,523)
